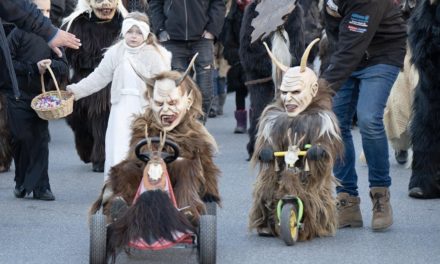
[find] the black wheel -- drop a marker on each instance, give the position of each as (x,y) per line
(289,228)
(207,239)
(98,239)
(211,208)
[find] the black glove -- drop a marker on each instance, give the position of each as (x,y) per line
(316,152)
(266,154)
(209,198)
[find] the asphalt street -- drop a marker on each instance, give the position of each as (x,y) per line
(56,232)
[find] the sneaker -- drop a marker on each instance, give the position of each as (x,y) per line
(401,156)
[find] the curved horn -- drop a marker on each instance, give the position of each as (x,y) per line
(283,67)
(180,80)
(305,56)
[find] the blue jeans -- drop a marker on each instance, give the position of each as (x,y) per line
(183,51)
(219,83)
(365,93)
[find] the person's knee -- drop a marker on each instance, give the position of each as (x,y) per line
(371,126)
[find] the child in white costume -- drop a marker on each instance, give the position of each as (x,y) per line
(139,47)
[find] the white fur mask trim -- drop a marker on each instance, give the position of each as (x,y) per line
(130,22)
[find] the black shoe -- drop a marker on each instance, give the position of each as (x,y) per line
(45,195)
(19,192)
(401,156)
(98,167)
(212,113)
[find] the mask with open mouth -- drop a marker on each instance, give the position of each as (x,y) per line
(169,103)
(104,9)
(299,85)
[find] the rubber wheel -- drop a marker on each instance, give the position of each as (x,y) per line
(207,239)
(211,208)
(289,224)
(98,239)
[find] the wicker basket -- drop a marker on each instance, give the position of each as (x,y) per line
(60,111)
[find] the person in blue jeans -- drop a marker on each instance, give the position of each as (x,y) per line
(370,39)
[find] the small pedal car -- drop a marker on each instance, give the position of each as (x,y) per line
(155,206)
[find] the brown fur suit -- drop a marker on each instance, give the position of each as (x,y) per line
(194,175)
(315,125)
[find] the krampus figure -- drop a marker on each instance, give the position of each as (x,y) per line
(287,42)
(98,25)
(424,42)
(301,115)
(175,107)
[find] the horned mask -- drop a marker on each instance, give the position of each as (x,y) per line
(170,101)
(299,84)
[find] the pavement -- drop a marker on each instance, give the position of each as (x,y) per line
(33,231)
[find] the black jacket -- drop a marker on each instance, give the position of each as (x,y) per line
(187,19)
(26,16)
(26,50)
(366,33)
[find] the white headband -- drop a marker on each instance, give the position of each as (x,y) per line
(130,22)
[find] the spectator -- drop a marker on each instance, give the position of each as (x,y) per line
(370,41)
(186,28)
(27,17)
(30,134)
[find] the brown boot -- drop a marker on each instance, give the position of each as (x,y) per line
(349,212)
(382,211)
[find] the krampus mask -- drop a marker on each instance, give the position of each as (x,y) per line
(104,9)
(299,84)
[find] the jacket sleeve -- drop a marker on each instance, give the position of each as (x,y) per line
(59,66)
(20,67)
(157,15)
(96,80)
(356,30)
(26,16)
(216,16)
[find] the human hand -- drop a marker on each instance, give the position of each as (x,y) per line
(164,36)
(63,38)
(207,35)
(43,64)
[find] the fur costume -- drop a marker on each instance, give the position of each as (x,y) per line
(90,115)
(298,117)
(5,137)
(194,176)
(315,188)
(257,64)
(424,42)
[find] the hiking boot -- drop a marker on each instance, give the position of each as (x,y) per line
(382,211)
(349,212)
(241,117)
(401,156)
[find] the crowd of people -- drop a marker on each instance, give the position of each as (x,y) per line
(126,43)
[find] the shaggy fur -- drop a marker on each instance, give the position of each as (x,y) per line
(424,41)
(137,222)
(90,114)
(316,125)
(257,64)
(5,137)
(194,176)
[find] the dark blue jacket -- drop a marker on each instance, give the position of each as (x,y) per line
(27,17)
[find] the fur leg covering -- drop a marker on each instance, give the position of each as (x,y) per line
(5,137)
(424,41)
(153,217)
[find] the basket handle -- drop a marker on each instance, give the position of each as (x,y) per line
(43,87)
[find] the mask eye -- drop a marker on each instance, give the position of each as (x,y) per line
(158,103)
